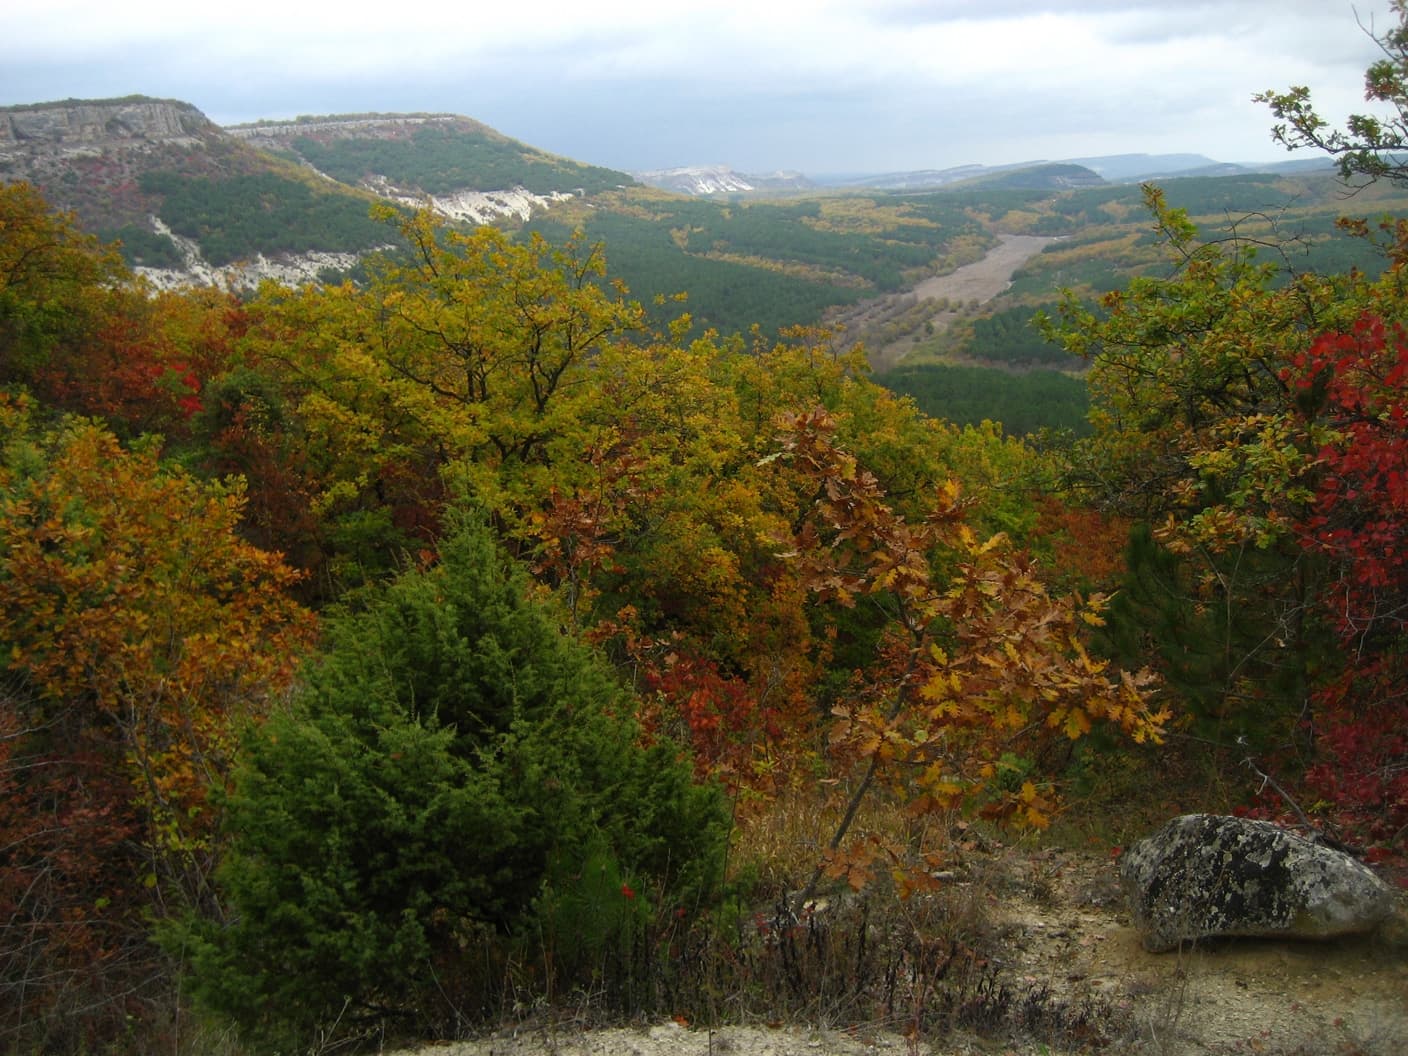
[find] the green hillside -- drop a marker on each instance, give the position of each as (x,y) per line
(447,157)
(851,260)
(240,216)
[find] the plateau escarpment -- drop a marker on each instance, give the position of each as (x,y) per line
(187,201)
(454,165)
(82,126)
(193,202)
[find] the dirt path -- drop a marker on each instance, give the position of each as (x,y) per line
(1062,932)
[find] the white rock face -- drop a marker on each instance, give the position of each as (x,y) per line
(475,207)
(700,180)
(706,180)
(291,269)
(1205,875)
(482,207)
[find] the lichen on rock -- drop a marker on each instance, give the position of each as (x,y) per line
(1206,875)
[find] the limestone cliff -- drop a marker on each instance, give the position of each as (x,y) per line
(185,199)
(191,201)
(99,123)
(88,156)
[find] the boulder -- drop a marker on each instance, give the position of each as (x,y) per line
(1205,875)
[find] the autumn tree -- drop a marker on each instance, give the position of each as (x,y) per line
(464,351)
(1238,411)
(1368,143)
(688,587)
(139,633)
(1192,437)
(1353,401)
(492,331)
(976,664)
(1349,387)
(623,465)
(149,361)
(54,282)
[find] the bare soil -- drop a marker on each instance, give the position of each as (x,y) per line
(978,282)
(1061,934)
(985,279)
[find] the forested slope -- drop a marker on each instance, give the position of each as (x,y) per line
(384,658)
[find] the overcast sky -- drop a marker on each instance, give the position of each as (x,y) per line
(822,86)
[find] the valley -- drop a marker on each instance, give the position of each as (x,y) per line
(554,613)
(941,298)
(935,272)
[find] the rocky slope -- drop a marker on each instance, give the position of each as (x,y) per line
(715,180)
(79,127)
(153,174)
(194,202)
(87,156)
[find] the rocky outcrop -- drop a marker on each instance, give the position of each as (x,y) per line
(707,180)
(1205,875)
(290,269)
(277,134)
(85,123)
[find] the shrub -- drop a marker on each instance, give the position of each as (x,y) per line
(452,757)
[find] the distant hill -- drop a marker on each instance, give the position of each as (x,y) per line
(1054,176)
(181,194)
(714,180)
(918,179)
(190,200)
(457,165)
(1111,168)
(1130,168)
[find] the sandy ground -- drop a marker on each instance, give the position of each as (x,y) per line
(980,281)
(1063,928)
(985,279)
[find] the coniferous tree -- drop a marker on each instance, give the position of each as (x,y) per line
(453,763)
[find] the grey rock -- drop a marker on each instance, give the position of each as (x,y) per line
(104,121)
(1206,875)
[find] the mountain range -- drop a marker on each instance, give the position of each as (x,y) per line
(722,180)
(191,200)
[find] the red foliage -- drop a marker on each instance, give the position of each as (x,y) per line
(1360,512)
(69,849)
(279,513)
(145,366)
(1359,779)
(1352,389)
(718,711)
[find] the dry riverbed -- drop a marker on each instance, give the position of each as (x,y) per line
(978,282)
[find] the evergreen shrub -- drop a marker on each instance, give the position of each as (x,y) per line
(442,800)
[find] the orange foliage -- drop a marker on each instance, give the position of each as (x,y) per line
(977,661)
(129,603)
(1086,545)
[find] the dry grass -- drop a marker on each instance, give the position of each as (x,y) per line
(923,965)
